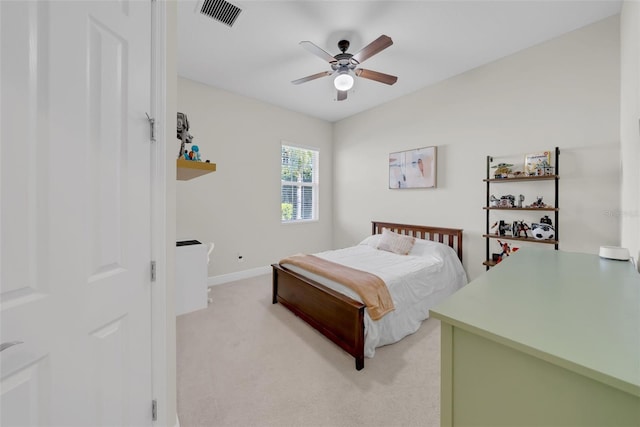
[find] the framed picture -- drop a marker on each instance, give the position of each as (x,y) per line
(538,164)
(413,168)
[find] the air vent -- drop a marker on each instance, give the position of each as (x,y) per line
(221,10)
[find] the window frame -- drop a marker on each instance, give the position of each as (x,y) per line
(314,185)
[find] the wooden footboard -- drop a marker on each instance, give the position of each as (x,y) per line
(337,316)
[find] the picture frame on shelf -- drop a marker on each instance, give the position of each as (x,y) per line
(538,164)
(413,168)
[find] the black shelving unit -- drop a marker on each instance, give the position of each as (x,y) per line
(488,208)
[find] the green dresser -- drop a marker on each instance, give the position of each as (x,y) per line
(546,338)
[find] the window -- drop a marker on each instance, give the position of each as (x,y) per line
(299,184)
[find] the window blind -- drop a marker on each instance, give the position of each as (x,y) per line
(299,184)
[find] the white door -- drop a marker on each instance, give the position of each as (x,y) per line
(75,213)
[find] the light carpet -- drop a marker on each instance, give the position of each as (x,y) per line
(246,362)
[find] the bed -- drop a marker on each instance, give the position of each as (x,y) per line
(339,313)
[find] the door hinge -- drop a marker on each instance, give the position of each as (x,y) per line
(152,127)
(153,271)
(154,410)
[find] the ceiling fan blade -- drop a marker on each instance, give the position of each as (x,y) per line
(372,48)
(377,76)
(320,53)
(311,77)
(342,95)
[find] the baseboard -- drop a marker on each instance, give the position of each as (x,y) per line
(238,275)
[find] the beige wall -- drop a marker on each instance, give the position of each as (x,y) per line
(238,206)
(563,93)
(629,125)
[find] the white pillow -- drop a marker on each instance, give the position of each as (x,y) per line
(431,248)
(372,240)
(396,243)
(421,247)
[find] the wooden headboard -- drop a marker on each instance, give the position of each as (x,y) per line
(448,236)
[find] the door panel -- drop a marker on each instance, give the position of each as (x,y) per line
(25,385)
(109,357)
(25,287)
(75,221)
(107,153)
(21,70)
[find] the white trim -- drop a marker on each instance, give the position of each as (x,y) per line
(159,314)
(238,275)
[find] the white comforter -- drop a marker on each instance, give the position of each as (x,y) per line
(416,282)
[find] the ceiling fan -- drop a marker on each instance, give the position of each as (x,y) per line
(344,64)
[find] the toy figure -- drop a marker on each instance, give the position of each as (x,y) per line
(507,201)
(544,168)
(506,250)
(183,134)
(502,170)
(538,203)
(543,231)
(503,227)
(196,153)
(520,200)
(518,228)
(545,220)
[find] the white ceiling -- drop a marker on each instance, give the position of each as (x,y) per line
(259,55)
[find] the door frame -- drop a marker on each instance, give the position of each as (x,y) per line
(163,369)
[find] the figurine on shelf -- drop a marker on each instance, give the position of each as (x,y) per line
(503,227)
(502,170)
(507,201)
(506,250)
(543,231)
(520,200)
(544,168)
(196,153)
(520,227)
(494,201)
(183,134)
(538,203)
(546,220)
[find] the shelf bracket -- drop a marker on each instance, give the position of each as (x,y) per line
(152,127)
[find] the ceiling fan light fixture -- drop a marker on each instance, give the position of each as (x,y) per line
(343,81)
(343,65)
